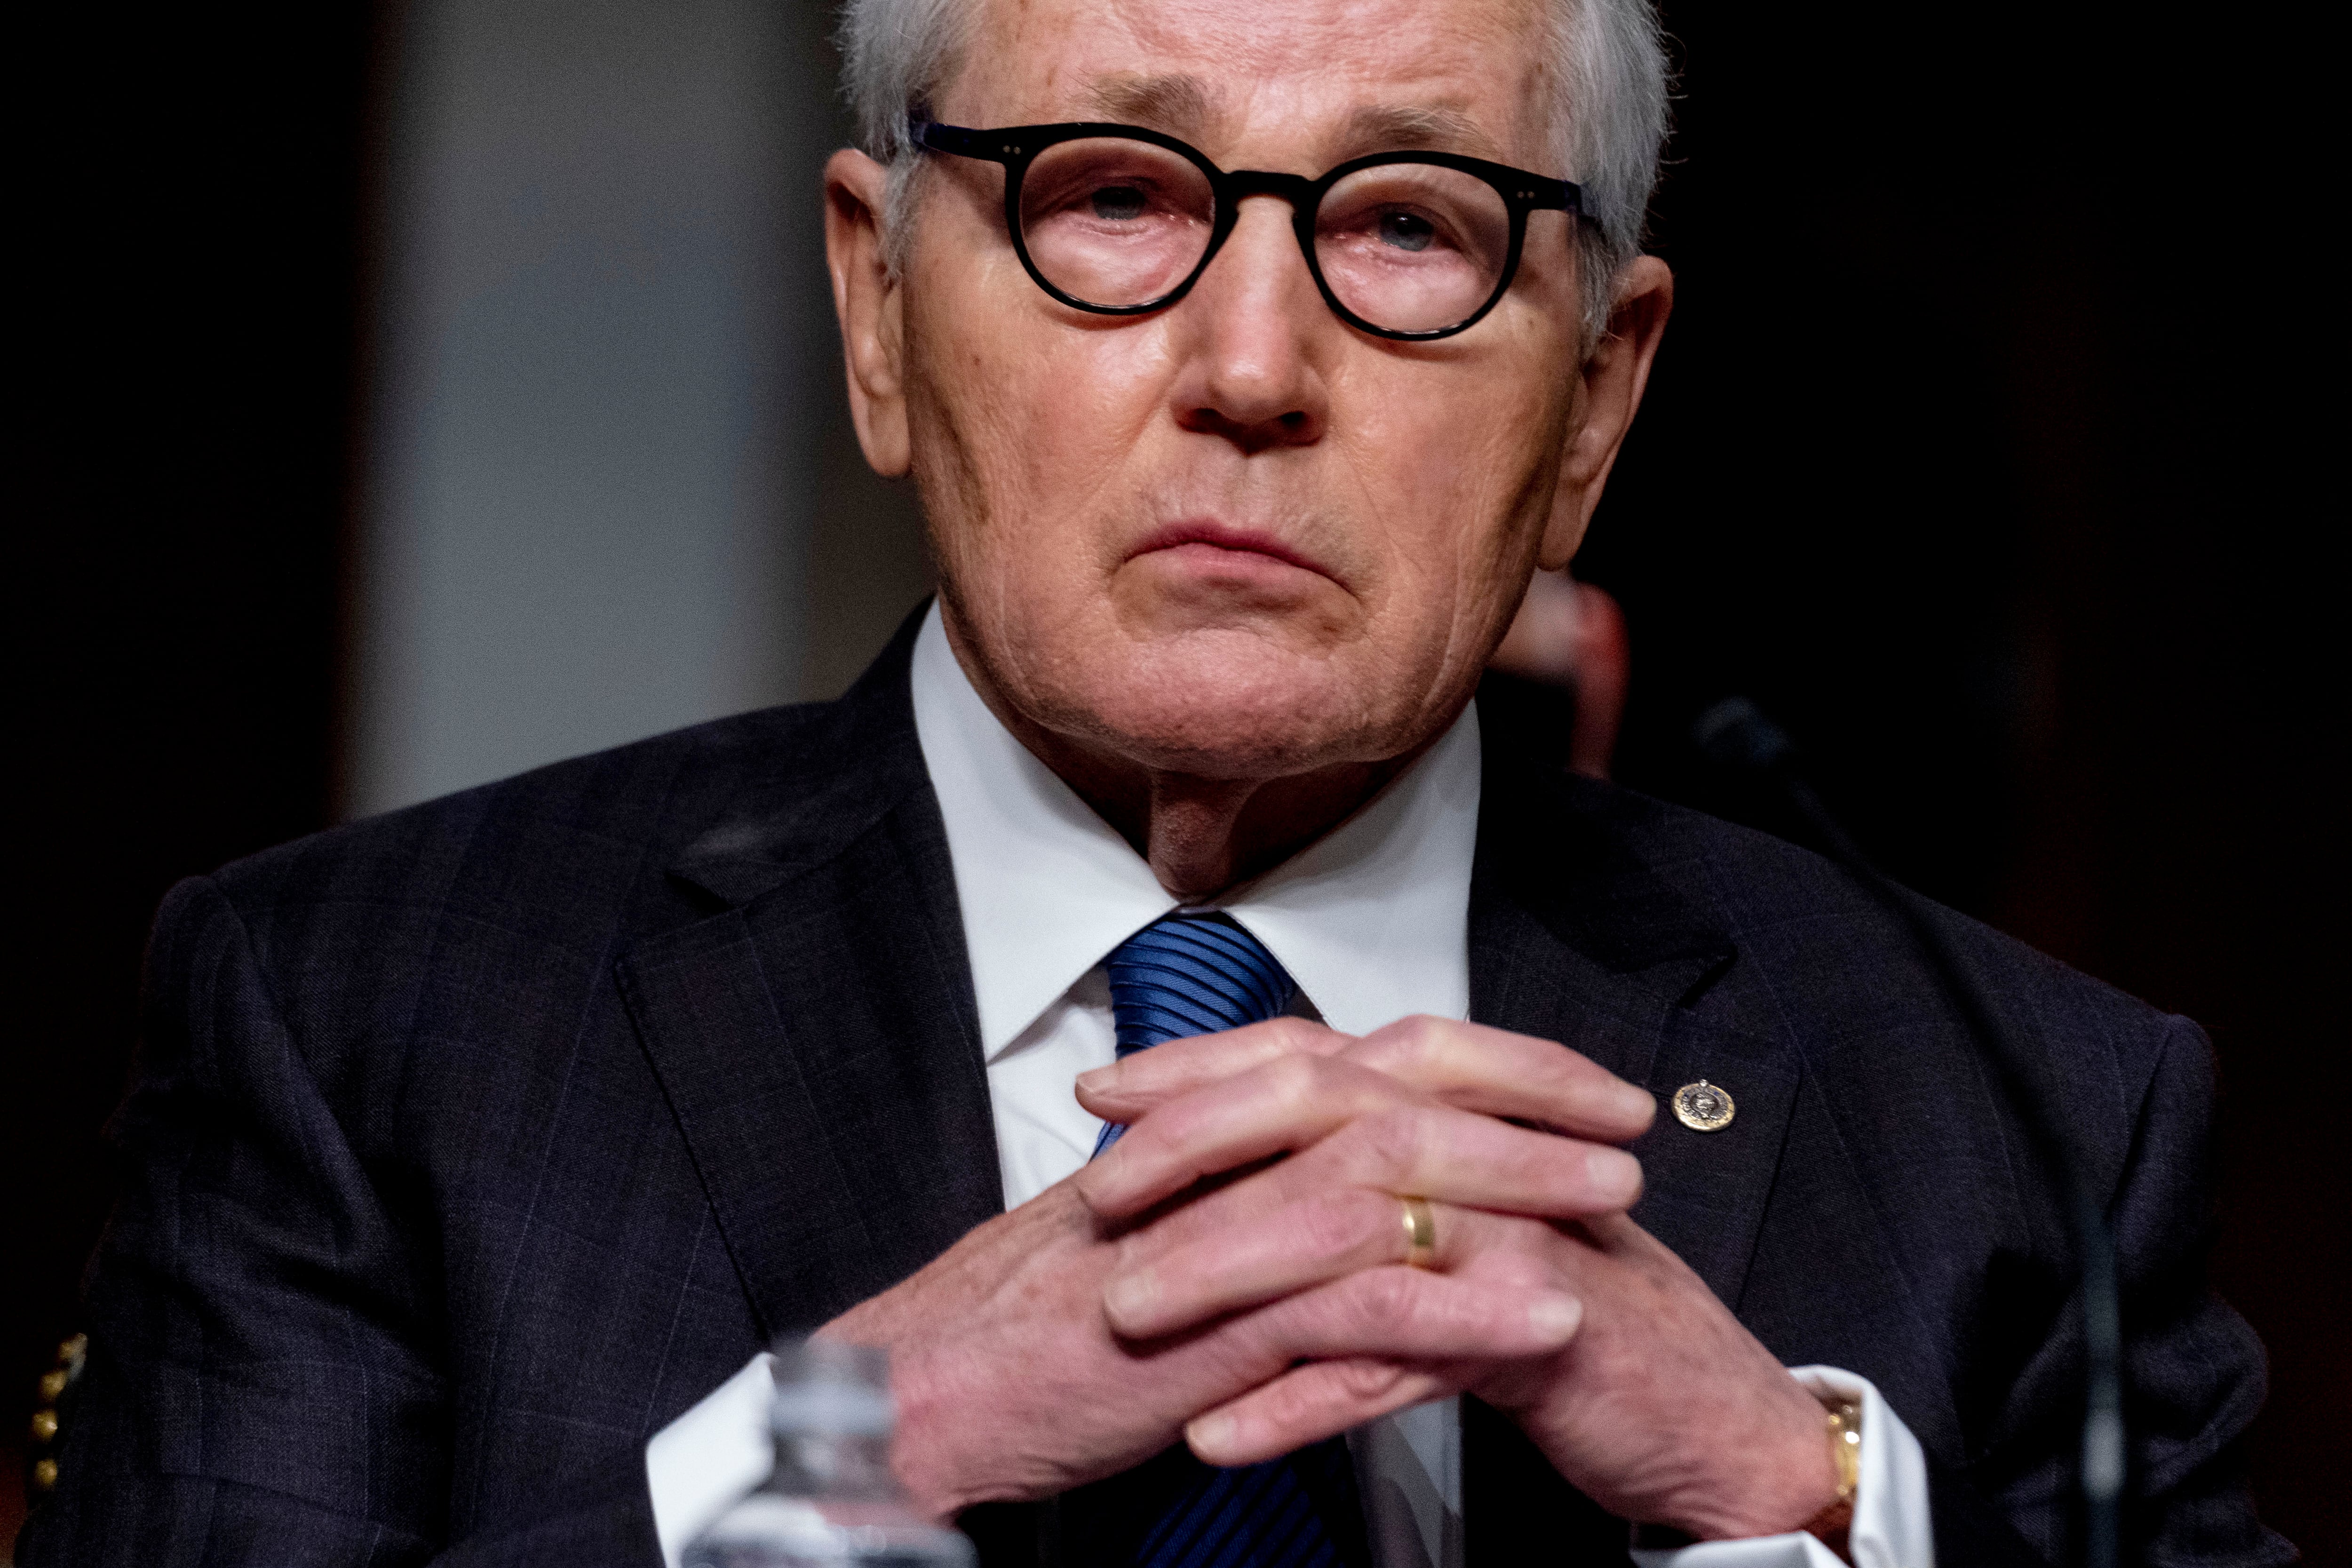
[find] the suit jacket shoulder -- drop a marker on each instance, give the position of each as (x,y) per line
(470,1144)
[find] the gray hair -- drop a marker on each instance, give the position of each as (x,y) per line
(1610,69)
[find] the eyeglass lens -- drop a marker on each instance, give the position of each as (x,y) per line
(1410,247)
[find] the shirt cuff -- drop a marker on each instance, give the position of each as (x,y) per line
(699,1465)
(1891,1525)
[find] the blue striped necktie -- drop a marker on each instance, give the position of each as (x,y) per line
(1197,972)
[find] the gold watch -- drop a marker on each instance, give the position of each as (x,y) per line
(1845,1446)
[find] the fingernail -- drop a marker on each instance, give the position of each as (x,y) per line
(1212,1431)
(1099,1079)
(1638,1104)
(1128,1296)
(1615,1175)
(1555,1318)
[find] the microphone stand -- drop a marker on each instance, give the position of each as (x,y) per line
(1737,737)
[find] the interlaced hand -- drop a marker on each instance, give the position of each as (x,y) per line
(1014,1382)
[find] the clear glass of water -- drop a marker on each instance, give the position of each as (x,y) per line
(832,1501)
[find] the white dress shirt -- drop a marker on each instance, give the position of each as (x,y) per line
(1372,922)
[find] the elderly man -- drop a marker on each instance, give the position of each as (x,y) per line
(1249,359)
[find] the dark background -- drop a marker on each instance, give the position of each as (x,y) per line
(1981,452)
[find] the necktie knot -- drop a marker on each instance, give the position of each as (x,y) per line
(1193,973)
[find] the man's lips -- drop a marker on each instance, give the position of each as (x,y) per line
(1212,539)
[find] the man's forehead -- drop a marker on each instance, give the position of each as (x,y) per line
(1453,75)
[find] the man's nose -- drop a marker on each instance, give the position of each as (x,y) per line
(1252,331)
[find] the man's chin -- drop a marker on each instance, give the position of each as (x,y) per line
(1259,718)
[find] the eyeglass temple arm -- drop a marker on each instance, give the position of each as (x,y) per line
(1548,195)
(922,130)
(1557,196)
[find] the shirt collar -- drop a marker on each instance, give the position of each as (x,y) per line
(1372,920)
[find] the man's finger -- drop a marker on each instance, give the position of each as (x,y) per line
(1284,1105)
(1306,1405)
(1412,1314)
(1502,1074)
(1437,1151)
(1318,1237)
(1127,1088)
(1410,1322)
(1468,1064)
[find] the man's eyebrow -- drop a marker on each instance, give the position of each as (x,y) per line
(1174,103)
(1415,126)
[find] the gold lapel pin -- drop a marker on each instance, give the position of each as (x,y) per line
(1704,1107)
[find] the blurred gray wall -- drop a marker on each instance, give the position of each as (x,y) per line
(608,484)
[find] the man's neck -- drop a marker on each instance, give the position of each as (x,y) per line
(1203,836)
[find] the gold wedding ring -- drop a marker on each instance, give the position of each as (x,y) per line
(1420,1234)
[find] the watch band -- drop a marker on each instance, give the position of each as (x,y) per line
(1845,1446)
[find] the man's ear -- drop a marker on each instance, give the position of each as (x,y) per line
(866,297)
(1609,390)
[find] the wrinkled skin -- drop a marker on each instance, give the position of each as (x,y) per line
(1227,568)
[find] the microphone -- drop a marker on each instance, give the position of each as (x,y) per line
(1735,737)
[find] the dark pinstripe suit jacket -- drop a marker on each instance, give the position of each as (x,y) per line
(470,1144)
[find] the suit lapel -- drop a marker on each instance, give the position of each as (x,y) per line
(1576,935)
(816,1037)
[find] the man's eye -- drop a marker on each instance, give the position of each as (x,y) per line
(1406,231)
(1120,204)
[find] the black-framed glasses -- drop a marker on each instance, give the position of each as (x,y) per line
(1120,220)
